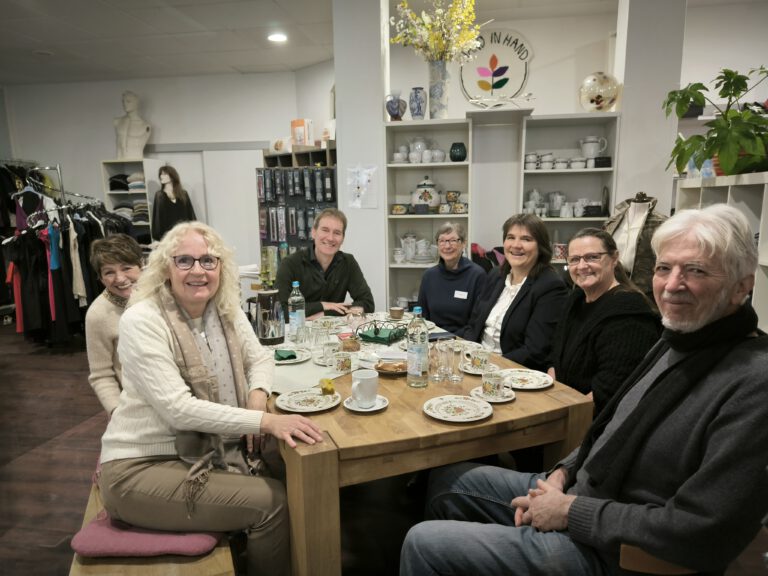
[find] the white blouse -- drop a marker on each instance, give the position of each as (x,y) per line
(492,332)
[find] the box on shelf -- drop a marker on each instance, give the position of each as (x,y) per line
(301,132)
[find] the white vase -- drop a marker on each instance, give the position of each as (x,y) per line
(438,88)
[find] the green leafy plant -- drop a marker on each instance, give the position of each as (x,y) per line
(737,136)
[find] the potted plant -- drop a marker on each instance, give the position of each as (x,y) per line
(737,136)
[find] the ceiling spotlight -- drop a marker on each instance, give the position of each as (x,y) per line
(277,37)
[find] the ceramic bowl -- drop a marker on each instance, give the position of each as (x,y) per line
(438,156)
(546,165)
(399,209)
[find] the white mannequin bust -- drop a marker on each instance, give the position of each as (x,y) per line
(131,130)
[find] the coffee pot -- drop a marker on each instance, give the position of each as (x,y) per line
(592,146)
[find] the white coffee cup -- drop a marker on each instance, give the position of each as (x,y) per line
(403,149)
(399,157)
(530,165)
(546,165)
(365,386)
(414,157)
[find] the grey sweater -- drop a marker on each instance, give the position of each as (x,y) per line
(697,488)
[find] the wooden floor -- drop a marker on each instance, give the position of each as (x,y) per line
(50,426)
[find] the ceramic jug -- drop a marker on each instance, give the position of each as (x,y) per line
(425,193)
(592,146)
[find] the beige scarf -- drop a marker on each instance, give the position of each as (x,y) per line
(201,450)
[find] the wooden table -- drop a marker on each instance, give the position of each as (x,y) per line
(363,447)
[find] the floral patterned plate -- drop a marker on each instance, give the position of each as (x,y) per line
(469,369)
(524,379)
(507,396)
(307,400)
(302,355)
(453,408)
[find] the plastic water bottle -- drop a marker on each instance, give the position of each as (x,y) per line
(296,305)
(418,350)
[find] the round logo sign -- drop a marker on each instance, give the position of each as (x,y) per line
(499,71)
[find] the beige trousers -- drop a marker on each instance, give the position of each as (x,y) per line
(149,492)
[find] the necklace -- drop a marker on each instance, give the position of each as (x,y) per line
(115,299)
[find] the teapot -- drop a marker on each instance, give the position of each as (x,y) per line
(425,193)
(592,146)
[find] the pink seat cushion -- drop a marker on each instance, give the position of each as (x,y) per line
(104,536)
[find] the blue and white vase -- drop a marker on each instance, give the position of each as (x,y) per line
(417,102)
(438,89)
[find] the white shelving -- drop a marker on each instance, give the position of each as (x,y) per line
(560,134)
(149,167)
(404,279)
(749,194)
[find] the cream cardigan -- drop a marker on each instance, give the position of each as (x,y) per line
(101,324)
(156,402)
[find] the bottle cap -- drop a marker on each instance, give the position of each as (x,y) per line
(295,284)
(417,309)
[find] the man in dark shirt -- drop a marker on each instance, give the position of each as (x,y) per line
(325,273)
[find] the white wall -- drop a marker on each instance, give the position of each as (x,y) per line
(313,95)
(731,36)
(71,124)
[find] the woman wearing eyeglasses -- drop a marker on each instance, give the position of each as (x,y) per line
(195,384)
(608,324)
(517,313)
(449,290)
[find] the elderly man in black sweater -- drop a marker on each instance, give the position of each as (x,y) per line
(674,464)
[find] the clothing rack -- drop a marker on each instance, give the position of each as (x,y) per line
(67,206)
(19,162)
(31,179)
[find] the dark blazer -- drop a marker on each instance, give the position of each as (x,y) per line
(530,321)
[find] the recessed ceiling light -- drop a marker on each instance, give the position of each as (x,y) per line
(277,37)
(42,52)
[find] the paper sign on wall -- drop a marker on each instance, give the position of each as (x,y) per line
(360,187)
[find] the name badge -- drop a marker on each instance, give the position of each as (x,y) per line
(460,294)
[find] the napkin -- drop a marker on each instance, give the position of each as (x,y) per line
(285,355)
(380,336)
(392,354)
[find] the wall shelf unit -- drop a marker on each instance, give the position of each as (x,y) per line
(560,134)
(302,156)
(404,279)
(115,199)
(749,194)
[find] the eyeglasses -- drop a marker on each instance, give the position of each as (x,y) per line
(448,241)
(186,262)
(591,258)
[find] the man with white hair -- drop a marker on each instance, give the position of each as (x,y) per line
(674,464)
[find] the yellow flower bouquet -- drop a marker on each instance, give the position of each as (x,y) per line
(447,34)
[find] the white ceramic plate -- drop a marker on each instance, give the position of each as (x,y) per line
(524,379)
(307,400)
(302,355)
(320,360)
(452,408)
(469,369)
(381,403)
(509,395)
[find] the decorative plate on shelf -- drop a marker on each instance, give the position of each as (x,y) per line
(307,400)
(508,396)
(524,379)
(453,408)
(302,355)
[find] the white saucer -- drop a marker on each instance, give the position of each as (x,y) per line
(509,395)
(381,403)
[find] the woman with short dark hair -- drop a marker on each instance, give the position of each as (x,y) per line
(519,309)
(608,324)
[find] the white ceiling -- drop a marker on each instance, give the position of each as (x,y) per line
(89,40)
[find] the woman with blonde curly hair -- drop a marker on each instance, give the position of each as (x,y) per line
(195,388)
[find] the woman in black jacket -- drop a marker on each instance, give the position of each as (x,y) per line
(608,324)
(518,311)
